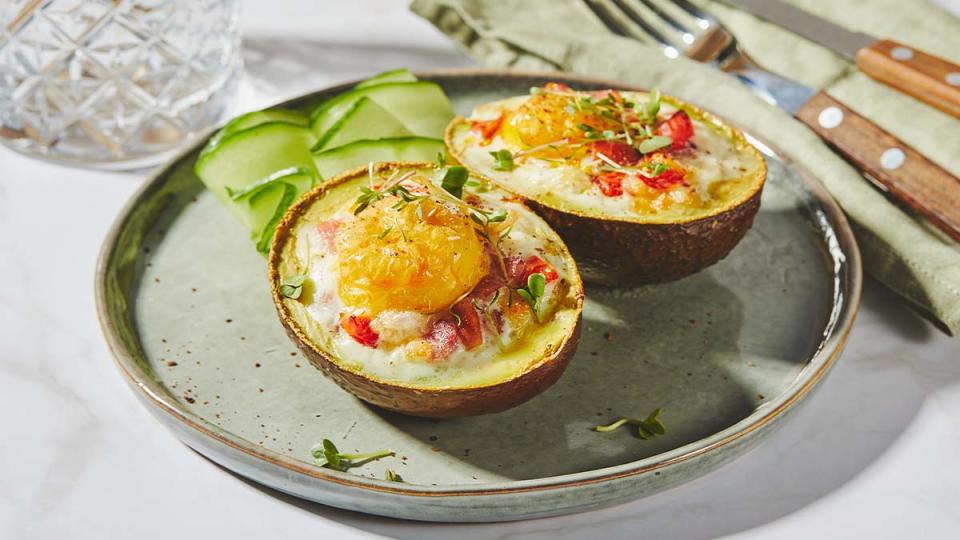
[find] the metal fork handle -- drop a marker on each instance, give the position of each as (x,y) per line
(772,88)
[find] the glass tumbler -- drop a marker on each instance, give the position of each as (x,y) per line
(116,84)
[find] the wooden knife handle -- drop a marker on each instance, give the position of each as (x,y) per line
(912,179)
(929,78)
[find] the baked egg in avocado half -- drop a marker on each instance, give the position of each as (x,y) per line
(643,188)
(423,300)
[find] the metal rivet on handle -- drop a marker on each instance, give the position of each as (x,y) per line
(830,117)
(892,158)
(953,78)
(901,53)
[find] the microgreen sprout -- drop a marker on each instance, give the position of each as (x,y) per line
(292,286)
(647,428)
(453,179)
(533,292)
(392,476)
(369,195)
(503,160)
(487,317)
(485,218)
(648,114)
(654,143)
(326,455)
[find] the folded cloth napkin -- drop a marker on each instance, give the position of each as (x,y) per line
(900,250)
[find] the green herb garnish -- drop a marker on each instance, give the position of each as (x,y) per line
(656,169)
(650,110)
(485,218)
(649,427)
(292,287)
(654,143)
(369,196)
(533,292)
(392,476)
(326,455)
(503,160)
(441,160)
(453,180)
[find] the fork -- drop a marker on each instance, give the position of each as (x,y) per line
(681,28)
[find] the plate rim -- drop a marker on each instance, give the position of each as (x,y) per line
(822,359)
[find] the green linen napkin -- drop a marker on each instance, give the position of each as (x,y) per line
(904,252)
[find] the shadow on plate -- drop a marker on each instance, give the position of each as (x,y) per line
(633,357)
(811,457)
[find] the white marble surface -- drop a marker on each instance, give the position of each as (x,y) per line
(875,453)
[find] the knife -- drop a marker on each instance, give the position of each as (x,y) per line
(928,78)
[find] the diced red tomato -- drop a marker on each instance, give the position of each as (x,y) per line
(358,327)
(557,87)
(664,180)
(327,232)
(620,153)
(442,338)
(679,127)
(470,329)
(610,183)
(487,128)
(520,270)
(536,265)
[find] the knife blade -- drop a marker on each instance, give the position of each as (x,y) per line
(926,77)
(844,42)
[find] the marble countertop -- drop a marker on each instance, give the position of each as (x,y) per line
(872,454)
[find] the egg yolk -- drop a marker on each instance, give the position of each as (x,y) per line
(408,259)
(545,119)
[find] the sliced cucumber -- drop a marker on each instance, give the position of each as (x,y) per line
(396,75)
(422,107)
(267,207)
(301,177)
(255,118)
(331,162)
(245,158)
(365,120)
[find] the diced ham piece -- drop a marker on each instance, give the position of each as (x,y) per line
(442,337)
(327,233)
(485,289)
(358,327)
(470,328)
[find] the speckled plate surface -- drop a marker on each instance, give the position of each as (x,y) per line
(185,306)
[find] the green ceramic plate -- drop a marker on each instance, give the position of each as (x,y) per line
(185,306)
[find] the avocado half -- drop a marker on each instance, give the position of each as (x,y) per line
(629,251)
(542,360)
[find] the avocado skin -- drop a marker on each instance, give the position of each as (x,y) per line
(623,254)
(410,400)
(443,403)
